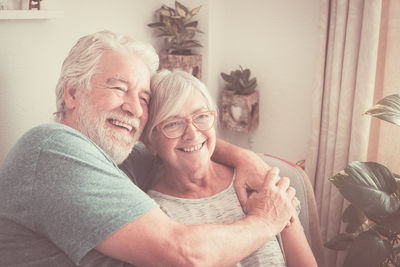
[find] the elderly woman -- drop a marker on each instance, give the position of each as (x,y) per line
(194,189)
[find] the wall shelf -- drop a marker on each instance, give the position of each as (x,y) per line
(31,14)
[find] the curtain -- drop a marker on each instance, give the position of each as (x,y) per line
(343,91)
(381,148)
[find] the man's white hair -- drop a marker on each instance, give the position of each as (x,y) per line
(82,61)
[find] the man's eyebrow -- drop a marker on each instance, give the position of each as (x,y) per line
(116,79)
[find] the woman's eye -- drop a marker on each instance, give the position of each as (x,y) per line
(171,124)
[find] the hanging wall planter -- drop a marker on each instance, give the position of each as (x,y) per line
(240,101)
(190,63)
(176,27)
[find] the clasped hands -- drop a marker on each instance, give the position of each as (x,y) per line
(274,202)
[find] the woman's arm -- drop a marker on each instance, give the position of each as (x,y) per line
(298,252)
(250,168)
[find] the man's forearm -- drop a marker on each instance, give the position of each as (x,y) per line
(224,245)
(227,153)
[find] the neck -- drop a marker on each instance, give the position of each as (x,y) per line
(196,184)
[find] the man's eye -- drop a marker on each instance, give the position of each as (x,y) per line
(119,88)
(145,100)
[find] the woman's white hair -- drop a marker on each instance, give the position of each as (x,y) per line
(81,63)
(170,90)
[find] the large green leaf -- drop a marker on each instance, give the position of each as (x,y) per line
(340,242)
(367,250)
(354,217)
(369,186)
(388,109)
(391,223)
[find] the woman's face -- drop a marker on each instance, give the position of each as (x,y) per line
(194,148)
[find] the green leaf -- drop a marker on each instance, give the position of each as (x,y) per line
(165,11)
(226,77)
(388,109)
(367,250)
(181,10)
(192,24)
(194,11)
(369,186)
(156,25)
(246,74)
(191,43)
(340,242)
(353,215)
(253,82)
(390,223)
(164,34)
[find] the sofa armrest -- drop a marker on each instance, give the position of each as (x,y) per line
(304,192)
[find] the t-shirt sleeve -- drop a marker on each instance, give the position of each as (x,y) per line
(82,194)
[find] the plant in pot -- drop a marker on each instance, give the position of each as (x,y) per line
(178,29)
(240,101)
(372,236)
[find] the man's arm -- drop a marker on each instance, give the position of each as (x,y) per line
(156,240)
(250,168)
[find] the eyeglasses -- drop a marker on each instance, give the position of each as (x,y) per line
(174,128)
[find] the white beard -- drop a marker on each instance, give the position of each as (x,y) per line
(117,144)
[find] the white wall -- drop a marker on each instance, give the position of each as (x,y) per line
(276,39)
(32,52)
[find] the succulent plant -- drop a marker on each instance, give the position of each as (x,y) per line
(177,28)
(239,82)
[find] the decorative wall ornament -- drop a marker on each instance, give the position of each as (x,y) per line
(240,101)
(34,4)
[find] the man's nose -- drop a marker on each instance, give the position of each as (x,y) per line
(132,105)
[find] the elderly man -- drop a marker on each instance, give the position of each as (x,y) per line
(65,202)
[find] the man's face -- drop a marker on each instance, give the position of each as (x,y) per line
(115,110)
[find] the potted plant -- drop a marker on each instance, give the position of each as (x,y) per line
(240,101)
(178,29)
(373,231)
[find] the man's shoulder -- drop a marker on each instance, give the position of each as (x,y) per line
(54,134)
(52,130)
(50,139)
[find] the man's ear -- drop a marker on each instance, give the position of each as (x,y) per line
(69,96)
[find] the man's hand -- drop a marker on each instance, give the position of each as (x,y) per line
(274,203)
(250,175)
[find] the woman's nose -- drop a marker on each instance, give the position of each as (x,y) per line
(190,131)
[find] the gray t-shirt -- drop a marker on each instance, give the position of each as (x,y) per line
(60,195)
(223,207)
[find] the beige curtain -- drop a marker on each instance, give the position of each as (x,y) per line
(382,147)
(344,90)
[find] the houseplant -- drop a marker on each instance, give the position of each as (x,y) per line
(372,236)
(178,29)
(240,101)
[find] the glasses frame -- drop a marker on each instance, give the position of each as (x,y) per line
(188,120)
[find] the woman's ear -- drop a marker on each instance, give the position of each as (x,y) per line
(145,140)
(69,96)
